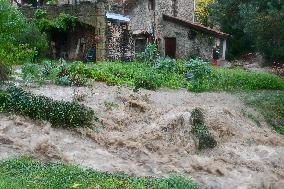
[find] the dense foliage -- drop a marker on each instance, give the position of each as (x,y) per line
(254,26)
(202,11)
(131,74)
(16,44)
(60,23)
(200,74)
(23,172)
(4,72)
(194,75)
(60,73)
(150,55)
(58,113)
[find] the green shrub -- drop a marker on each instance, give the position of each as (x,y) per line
(195,75)
(150,55)
(60,73)
(60,23)
(3,100)
(4,72)
(58,113)
(71,74)
(20,40)
(49,69)
(200,130)
(200,75)
(34,37)
(64,81)
(147,80)
(166,64)
(31,72)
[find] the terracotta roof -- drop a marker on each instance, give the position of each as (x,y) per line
(195,26)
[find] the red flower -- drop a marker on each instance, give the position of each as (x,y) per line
(98,39)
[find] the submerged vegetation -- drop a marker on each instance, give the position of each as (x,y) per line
(25,172)
(200,130)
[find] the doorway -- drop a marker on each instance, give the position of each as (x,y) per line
(170,47)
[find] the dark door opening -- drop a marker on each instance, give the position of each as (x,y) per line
(58,44)
(170,47)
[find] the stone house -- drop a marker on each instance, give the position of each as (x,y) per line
(105,34)
(170,23)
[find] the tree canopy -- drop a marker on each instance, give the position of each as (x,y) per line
(20,38)
(254,26)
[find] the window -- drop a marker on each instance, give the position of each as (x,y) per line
(174,6)
(151,4)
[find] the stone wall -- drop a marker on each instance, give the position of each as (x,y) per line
(141,17)
(148,20)
(119,43)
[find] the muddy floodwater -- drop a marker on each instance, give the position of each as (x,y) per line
(148,134)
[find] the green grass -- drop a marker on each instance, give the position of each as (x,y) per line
(238,79)
(269,103)
(25,173)
(118,73)
(170,75)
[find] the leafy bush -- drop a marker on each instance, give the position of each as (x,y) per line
(17,36)
(32,36)
(200,74)
(3,100)
(4,72)
(60,73)
(31,72)
(166,64)
(150,55)
(58,113)
(200,130)
(60,23)
(72,74)
(63,80)
(147,80)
